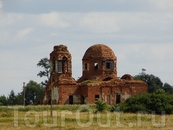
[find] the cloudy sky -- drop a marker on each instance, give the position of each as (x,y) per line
(140,32)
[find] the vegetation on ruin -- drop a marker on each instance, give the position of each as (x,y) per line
(88,81)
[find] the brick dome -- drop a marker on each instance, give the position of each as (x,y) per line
(99,51)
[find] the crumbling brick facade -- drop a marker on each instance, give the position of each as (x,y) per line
(99,78)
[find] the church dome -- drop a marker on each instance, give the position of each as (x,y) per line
(127,77)
(99,51)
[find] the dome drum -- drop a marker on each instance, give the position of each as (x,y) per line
(99,61)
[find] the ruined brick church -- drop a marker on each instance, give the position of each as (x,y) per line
(99,78)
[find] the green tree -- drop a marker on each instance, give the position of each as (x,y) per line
(153,82)
(19,98)
(12,98)
(33,93)
(44,63)
(3,100)
(168,88)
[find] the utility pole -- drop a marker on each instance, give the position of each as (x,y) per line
(51,102)
(23,93)
(51,97)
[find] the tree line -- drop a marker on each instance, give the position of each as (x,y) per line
(32,91)
(154,83)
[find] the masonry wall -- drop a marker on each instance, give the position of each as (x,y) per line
(108,91)
(92,91)
(65,91)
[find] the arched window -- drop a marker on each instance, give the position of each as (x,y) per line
(107,79)
(85,66)
(59,66)
(96,66)
(64,65)
(109,64)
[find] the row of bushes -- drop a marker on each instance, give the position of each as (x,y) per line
(157,102)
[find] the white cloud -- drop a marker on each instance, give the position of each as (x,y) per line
(23,34)
(125,22)
(54,19)
(96,22)
(166,5)
(9,19)
(100,22)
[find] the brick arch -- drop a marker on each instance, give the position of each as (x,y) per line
(107,79)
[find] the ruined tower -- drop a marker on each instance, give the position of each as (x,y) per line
(60,75)
(60,63)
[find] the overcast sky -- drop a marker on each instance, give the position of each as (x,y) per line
(140,32)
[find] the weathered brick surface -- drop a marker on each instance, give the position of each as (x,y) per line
(99,78)
(98,53)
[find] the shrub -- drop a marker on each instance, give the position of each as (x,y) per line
(101,106)
(118,107)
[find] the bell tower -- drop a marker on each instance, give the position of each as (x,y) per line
(60,63)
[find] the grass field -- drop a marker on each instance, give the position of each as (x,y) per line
(76,117)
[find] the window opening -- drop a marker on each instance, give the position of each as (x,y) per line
(96,97)
(108,66)
(49,102)
(85,66)
(59,66)
(71,99)
(118,98)
(96,66)
(82,99)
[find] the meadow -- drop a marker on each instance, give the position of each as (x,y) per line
(76,117)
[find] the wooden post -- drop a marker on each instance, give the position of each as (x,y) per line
(23,93)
